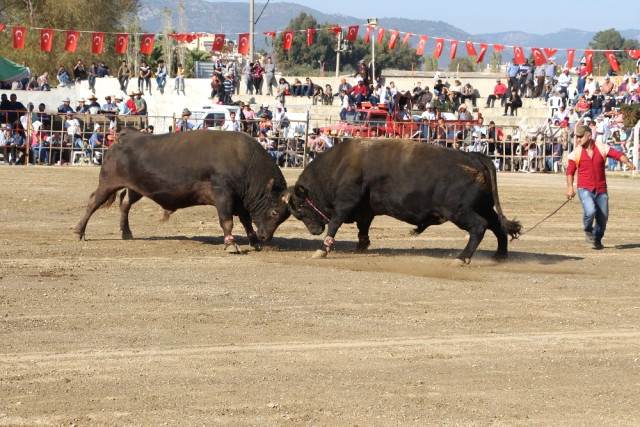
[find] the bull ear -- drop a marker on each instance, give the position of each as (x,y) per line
(269,186)
(301,192)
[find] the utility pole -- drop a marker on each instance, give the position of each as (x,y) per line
(338,50)
(251,31)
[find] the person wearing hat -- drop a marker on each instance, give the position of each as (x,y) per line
(608,86)
(122,107)
(131,103)
(141,104)
(109,104)
(184,125)
(591,84)
(588,160)
(93,107)
(96,145)
(597,102)
(265,110)
(248,119)
(463,113)
(468,92)
(499,92)
(583,72)
(65,107)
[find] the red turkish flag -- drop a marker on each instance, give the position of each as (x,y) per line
(310,33)
(589,56)
(46,36)
(471,49)
(498,47)
(612,60)
(146,44)
(483,51)
(406,38)
(287,39)
(439,45)
(352,34)
(71,41)
(454,48)
(243,43)
(393,39)
(518,53)
(635,54)
(19,34)
(2,27)
(380,35)
(184,38)
(550,51)
(570,53)
(271,34)
(336,30)
(97,40)
(538,56)
(421,44)
(218,43)
(367,37)
(121,42)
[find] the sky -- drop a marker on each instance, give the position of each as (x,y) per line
(489,16)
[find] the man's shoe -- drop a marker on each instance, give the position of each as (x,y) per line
(597,244)
(588,237)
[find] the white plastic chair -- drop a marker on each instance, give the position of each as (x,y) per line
(554,104)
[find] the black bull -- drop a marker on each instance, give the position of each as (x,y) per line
(228,170)
(420,184)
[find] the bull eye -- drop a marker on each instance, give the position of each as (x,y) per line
(274,213)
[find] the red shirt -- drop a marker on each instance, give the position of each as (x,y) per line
(591,175)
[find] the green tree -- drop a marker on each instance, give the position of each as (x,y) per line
(463,64)
(74,15)
(612,40)
(430,63)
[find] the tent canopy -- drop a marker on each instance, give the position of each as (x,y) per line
(10,71)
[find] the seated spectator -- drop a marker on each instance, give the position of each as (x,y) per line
(455,92)
(583,106)
(82,107)
(282,90)
(560,115)
(328,95)
(318,94)
(43,82)
(463,113)
(499,92)
(468,93)
(16,145)
(39,146)
(265,123)
(74,131)
(93,107)
(184,125)
(103,70)
(307,88)
(79,71)
(96,145)
(296,87)
(232,124)
(63,77)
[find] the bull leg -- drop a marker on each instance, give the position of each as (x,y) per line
(496,227)
(330,240)
(476,226)
(97,199)
(363,233)
(245,219)
(127,199)
(224,204)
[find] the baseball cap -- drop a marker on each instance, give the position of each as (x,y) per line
(582,130)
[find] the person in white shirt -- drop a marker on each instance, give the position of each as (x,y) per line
(232,124)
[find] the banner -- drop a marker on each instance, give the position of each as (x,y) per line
(471,50)
(243,43)
(46,36)
(71,41)
(310,33)
(18,37)
(538,56)
(121,43)
(518,53)
(380,34)
(97,41)
(612,60)
(483,51)
(367,36)
(393,39)
(146,44)
(454,48)
(352,34)
(438,51)
(550,51)
(588,54)
(287,39)
(218,43)
(570,53)
(421,44)
(406,38)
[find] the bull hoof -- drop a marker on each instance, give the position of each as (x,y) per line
(127,235)
(319,254)
(79,236)
(461,262)
(361,248)
(499,257)
(257,246)
(232,248)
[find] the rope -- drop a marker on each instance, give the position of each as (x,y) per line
(547,217)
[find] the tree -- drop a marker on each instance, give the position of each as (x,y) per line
(612,40)
(430,63)
(72,15)
(463,64)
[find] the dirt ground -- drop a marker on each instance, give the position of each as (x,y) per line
(170,329)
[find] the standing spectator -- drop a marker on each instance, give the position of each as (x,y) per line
(550,70)
(538,80)
(232,69)
(346,105)
(79,71)
(227,89)
(232,124)
(161,76)
(513,71)
(582,75)
(179,81)
(525,71)
(269,75)
(93,74)
(499,92)
(247,76)
(124,75)
(588,159)
(144,77)
(257,73)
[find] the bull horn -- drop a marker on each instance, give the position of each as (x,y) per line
(286,197)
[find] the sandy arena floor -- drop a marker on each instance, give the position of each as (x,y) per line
(170,329)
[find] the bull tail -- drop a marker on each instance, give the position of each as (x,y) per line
(513,228)
(109,201)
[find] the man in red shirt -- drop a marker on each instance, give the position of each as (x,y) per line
(499,92)
(589,159)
